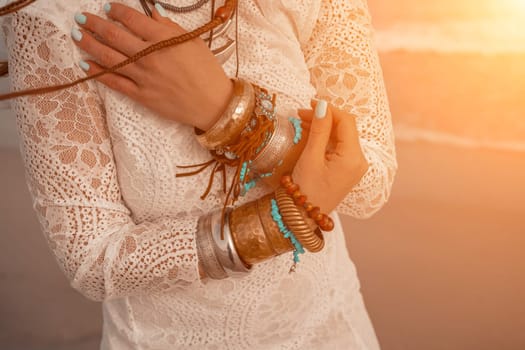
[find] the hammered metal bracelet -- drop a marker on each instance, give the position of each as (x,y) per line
(248,234)
(278,242)
(234,119)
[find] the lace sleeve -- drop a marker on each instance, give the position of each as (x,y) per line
(71,175)
(345,71)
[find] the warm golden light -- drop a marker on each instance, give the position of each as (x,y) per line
(514,7)
(519,4)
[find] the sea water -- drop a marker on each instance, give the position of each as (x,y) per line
(452,76)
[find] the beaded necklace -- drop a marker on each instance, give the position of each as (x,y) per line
(178,9)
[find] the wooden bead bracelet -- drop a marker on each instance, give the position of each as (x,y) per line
(324,222)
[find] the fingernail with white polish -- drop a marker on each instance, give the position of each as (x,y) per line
(320,109)
(84,65)
(80,18)
(76,34)
(161,10)
(107,7)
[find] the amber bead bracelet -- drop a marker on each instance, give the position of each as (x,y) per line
(324,222)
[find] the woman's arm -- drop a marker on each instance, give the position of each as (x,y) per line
(345,71)
(72,177)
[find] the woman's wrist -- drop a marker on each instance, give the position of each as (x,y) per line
(216,105)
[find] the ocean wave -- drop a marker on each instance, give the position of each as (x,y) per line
(408,133)
(488,36)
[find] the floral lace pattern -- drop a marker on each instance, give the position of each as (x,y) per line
(121,225)
(348,74)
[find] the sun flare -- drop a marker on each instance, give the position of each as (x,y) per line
(511,9)
(515,5)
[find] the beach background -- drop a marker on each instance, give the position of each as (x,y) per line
(441,265)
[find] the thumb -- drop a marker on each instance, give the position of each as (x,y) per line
(320,130)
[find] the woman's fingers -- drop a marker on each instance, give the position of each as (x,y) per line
(103,54)
(114,36)
(347,154)
(136,22)
(113,80)
(346,134)
(344,138)
(306,115)
(319,135)
(110,44)
(344,130)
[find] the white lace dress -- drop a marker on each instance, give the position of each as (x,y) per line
(101,170)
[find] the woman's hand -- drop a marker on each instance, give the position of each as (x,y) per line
(184,83)
(332,162)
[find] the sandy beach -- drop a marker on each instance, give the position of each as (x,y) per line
(441,264)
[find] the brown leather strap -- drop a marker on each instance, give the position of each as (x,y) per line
(14,6)
(221,16)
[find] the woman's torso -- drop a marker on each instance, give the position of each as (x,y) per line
(270,308)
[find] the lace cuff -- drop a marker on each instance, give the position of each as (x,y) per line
(345,70)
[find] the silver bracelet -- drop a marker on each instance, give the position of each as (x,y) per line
(224,248)
(206,251)
(278,146)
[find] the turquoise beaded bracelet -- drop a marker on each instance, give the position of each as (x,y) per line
(298,248)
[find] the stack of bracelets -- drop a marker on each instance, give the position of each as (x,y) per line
(252,138)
